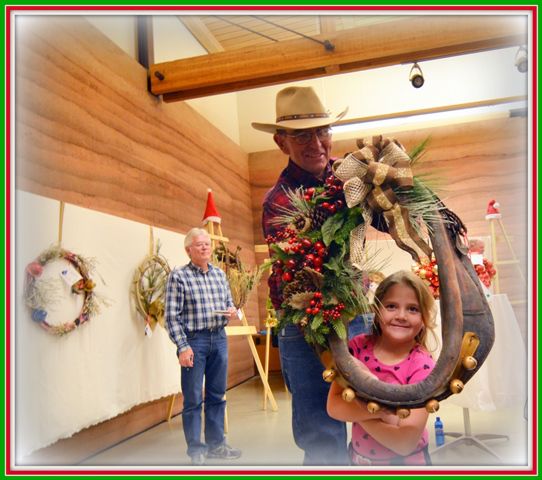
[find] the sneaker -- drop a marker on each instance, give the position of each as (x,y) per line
(198,459)
(224,451)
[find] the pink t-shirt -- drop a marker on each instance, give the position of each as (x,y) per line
(413,369)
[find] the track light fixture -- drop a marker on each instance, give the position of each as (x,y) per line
(521,59)
(416,76)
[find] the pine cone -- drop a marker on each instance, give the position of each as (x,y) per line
(318,216)
(303,281)
(293,287)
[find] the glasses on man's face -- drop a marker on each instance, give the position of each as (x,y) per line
(304,137)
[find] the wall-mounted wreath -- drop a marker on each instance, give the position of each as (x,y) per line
(40,293)
(150,281)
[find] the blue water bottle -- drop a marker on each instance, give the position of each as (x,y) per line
(439,432)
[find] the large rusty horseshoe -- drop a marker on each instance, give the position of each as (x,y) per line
(467,336)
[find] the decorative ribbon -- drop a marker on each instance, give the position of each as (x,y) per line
(369,175)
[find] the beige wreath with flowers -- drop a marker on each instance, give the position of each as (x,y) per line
(40,293)
(150,279)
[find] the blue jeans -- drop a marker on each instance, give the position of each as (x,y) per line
(210,361)
(322,438)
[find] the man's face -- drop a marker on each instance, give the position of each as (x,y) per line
(308,148)
(200,250)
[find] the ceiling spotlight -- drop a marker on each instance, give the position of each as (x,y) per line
(416,76)
(521,60)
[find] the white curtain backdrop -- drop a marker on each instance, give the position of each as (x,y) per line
(105,367)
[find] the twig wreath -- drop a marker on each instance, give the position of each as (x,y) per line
(150,281)
(40,293)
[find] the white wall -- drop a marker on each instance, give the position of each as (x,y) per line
(107,365)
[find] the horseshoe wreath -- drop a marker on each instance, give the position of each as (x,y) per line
(319,256)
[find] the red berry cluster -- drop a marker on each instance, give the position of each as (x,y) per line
(333,313)
(315,304)
(306,254)
(333,192)
(281,236)
(485,272)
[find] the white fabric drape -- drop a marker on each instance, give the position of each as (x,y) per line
(105,367)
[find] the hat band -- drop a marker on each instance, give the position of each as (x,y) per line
(302,116)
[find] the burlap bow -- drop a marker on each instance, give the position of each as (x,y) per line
(369,175)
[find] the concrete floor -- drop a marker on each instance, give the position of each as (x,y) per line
(266,440)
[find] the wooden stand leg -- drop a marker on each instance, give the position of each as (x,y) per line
(494,254)
(170,407)
(261,371)
(267,345)
(248,331)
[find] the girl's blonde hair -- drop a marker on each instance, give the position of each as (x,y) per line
(425,298)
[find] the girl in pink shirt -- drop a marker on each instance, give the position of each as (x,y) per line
(395,352)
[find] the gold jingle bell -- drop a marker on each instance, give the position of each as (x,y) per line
(469,362)
(403,412)
(373,407)
(432,405)
(329,374)
(348,394)
(456,385)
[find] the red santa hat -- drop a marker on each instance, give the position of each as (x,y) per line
(211,213)
(493,210)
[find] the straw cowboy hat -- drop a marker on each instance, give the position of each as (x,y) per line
(299,108)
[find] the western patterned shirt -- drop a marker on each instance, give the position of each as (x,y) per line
(291,178)
(192,296)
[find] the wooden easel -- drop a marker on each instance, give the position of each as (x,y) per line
(513,261)
(247,330)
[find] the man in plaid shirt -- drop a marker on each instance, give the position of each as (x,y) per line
(198,307)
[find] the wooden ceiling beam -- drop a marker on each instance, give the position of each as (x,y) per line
(403,41)
(201,33)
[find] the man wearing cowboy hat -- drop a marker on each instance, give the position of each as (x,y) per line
(303,132)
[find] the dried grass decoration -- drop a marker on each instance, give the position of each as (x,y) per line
(241,280)
(150,281)
(41,293)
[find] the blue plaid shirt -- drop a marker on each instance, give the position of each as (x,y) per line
(192,296)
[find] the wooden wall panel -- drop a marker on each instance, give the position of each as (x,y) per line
(473,163)
(89,133)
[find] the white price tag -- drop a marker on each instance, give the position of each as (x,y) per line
(70,276)
(148,330)
(477,258)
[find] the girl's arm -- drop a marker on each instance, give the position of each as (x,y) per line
(401,436)
(354,411)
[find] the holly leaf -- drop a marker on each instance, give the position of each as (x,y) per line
(340,329)
(330,227)
(317,321)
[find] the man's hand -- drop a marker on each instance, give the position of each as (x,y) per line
(186,358)
(232,314)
